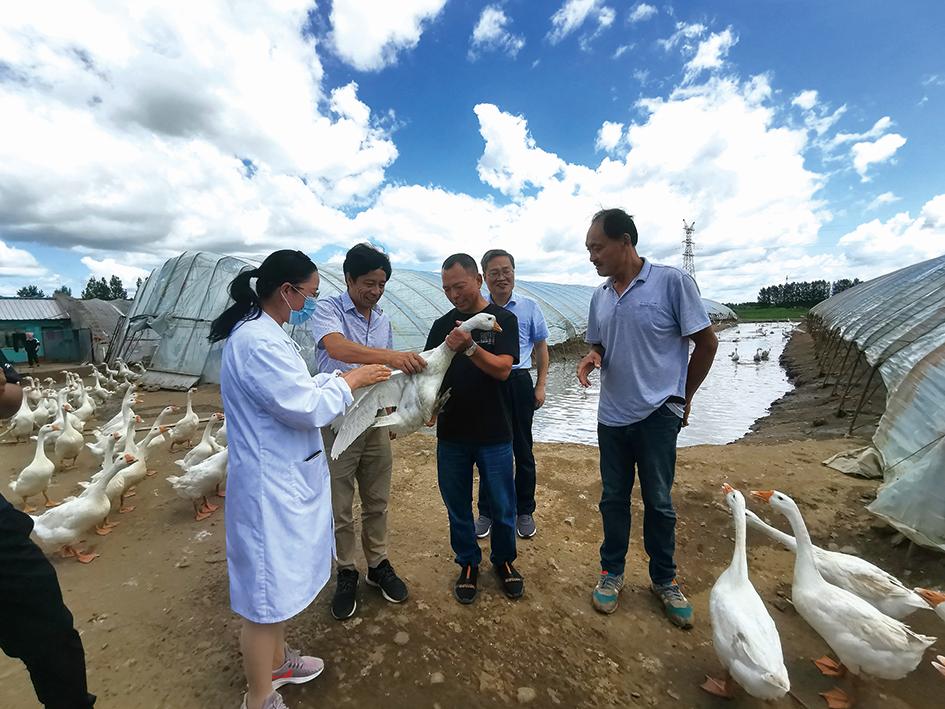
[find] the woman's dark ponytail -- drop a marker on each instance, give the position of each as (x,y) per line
(284,266)
(245,306)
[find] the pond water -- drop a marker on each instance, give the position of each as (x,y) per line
(733,396)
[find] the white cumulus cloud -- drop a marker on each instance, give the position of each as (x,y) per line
(107,267)
(206,129)
(370,34)
(511,160)
(711,53)
(883,246)
(574,13)
(642,12)
(805,99)
(874,152)
(882,200)
(609,136)
(491,33)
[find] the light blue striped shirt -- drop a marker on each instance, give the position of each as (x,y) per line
(532,328)
(337,313)
(645,334)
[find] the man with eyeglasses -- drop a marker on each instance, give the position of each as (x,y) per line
(522,396)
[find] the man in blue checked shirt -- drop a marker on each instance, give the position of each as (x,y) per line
(522,396)
(640,325)
(350,329)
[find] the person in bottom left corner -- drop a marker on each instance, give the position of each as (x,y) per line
(35,625)
(278,515)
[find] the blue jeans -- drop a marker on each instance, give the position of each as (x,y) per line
(647,448)
(454,463)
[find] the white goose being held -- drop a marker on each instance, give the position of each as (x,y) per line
(416,396)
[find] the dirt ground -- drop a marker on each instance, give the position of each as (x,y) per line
(158,631)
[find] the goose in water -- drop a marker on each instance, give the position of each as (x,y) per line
(866,640)
(416,396)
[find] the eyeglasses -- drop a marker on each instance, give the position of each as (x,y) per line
(496,272)
(304,294)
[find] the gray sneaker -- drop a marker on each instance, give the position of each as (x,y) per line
(273,701)
(483,527)
(606,592)
(525,526)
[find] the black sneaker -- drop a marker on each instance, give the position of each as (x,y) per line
(345,602)
(383,577)
(512,582)
(465,587)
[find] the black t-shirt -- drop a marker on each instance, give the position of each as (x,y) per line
(476,411)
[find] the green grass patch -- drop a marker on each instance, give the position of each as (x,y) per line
(756,313)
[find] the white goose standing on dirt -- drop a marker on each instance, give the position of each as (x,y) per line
(866,640)
(745,637)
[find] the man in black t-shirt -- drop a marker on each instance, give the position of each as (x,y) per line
(475,427)
(35,624)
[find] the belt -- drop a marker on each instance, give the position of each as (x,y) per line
(519,372)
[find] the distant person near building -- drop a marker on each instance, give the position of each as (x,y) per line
(523,396)
(32,349)
(639,327)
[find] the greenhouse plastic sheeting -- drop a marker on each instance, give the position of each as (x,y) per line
(898,322)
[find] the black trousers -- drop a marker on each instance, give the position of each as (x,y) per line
(35,625)
(31,355)
(519,391)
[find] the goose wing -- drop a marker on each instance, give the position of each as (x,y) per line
(362,412)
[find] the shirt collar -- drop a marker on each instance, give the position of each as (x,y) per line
(640,277)
(511,300)
(349,306)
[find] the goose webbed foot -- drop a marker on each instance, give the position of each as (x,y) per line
(724,687)
(830,667)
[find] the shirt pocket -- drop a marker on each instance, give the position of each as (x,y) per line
(308,479)
(657,316)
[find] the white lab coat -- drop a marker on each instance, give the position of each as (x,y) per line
(279,530)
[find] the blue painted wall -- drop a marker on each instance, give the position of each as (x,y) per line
(8,327)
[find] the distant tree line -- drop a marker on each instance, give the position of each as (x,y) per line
(112,289)
(803,293)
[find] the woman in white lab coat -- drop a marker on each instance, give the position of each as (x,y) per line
(279,539)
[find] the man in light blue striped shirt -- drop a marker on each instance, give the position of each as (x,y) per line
(639,327)
(522,396)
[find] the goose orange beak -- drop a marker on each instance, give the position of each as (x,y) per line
(726,488)
(129,458)
(496,328)
(933,598)
(163,429)
(763,495)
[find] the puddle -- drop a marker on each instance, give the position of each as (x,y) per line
(730,400)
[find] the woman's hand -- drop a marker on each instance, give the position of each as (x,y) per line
(366,375)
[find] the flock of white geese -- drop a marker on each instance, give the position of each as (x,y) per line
(59,416)
(856,607)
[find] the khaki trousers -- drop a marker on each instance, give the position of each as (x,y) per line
(368,461)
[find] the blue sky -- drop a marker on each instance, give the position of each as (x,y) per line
(801,136)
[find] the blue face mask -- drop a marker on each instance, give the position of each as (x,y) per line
(297,317)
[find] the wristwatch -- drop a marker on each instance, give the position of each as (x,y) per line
(471,350)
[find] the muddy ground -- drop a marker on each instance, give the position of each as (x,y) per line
(158,631)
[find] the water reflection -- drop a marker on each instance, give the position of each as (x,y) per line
(733,396)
